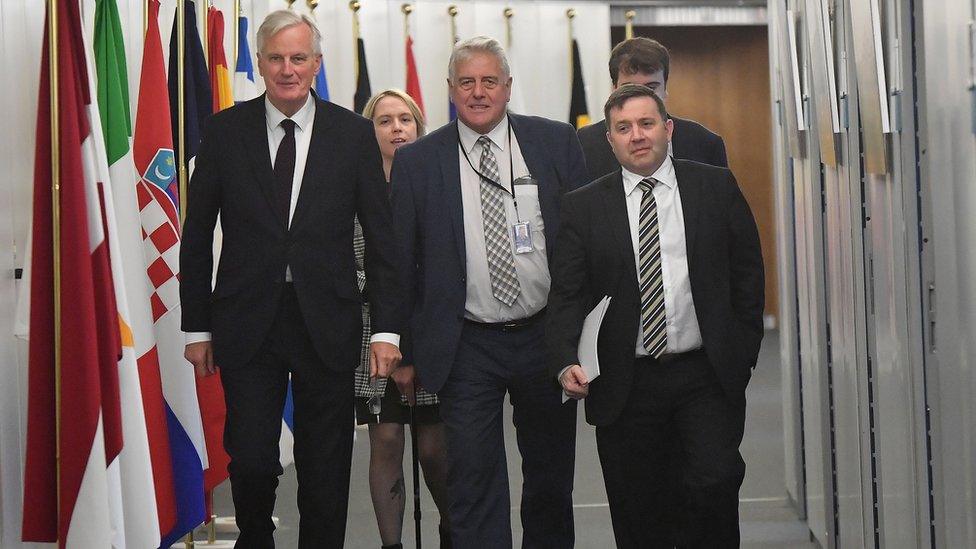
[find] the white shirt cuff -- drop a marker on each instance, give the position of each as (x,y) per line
(386,337)
(197,337)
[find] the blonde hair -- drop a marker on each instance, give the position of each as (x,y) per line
(370,108)
(280,20)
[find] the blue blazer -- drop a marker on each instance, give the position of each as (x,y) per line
(429,223)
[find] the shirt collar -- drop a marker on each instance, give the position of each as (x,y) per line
(664,174)
(498,135)
(302,118)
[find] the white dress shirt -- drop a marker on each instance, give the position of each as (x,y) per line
(304,120)
(532,268)
(679,307)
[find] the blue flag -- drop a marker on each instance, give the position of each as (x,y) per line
(244,88)
(321,84)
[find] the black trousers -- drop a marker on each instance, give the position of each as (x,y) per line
(675,405)
(490,363)
(255,395)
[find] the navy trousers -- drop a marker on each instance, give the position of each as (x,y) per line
(489,364)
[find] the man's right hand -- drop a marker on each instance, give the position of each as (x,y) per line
(574,382)
(200,354)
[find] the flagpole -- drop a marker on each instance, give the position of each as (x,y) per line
(354,6)
(52,44)
(290,2)
(237,25)
(406,8)
(508,13)
(629,26)
(571,13)
(206,30)
(145,18)
(180,103)
(452,10)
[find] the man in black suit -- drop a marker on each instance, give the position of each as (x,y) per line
(674,245)
(288,173)
(476,209)
(645,61)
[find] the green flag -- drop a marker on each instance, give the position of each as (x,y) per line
(113,80)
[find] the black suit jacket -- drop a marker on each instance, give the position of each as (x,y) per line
(595,258)
(690,141)
(234,177)
(429,221)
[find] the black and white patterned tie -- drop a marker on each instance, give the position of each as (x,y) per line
(501,261)
(653,318)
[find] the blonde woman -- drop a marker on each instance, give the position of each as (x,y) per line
(397,121)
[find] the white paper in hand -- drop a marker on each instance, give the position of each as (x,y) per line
(586,351)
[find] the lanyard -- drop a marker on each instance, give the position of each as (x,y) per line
(511,169)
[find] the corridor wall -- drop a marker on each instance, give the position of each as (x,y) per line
(875,139)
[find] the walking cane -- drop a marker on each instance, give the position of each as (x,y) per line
(416,466)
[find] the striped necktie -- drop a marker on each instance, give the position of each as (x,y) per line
(501,261)
(653,318)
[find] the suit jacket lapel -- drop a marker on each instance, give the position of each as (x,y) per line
(451,179)
(690,191)
(315,163)
(615,205)
(258,154)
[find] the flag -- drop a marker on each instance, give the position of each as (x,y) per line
(578,114)
(135,471)
(197,100)
(321,83)
(413,80)
(210,392)
(451,108)
(220,83)
(159,218)
(244,88)
(363,92)
(66,495)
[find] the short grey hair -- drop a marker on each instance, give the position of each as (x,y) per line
(280,20)
(479,44)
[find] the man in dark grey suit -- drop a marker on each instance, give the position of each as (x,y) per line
(674,245)
(645,61)
(476,209)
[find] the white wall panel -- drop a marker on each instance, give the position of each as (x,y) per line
(948,160)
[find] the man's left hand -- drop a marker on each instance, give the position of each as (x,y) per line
(383,358)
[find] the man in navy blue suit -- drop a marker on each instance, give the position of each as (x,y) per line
(476,209)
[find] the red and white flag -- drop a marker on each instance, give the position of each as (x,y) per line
(74,427)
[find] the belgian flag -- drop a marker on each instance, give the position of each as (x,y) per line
(363,91)
(578,114)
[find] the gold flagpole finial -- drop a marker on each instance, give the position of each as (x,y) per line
(452,10)
(354,5)
(508,13)
(290,2)
(629,26)
(571,13)
(312,4)
(407,9)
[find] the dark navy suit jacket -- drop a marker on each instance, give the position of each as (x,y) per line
(429,222)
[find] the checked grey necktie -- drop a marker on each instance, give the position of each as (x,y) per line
(501,262)
(653,327)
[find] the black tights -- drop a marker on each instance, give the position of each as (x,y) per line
(386,485)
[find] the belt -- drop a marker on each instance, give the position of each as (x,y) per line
(510,325)
(670,358)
